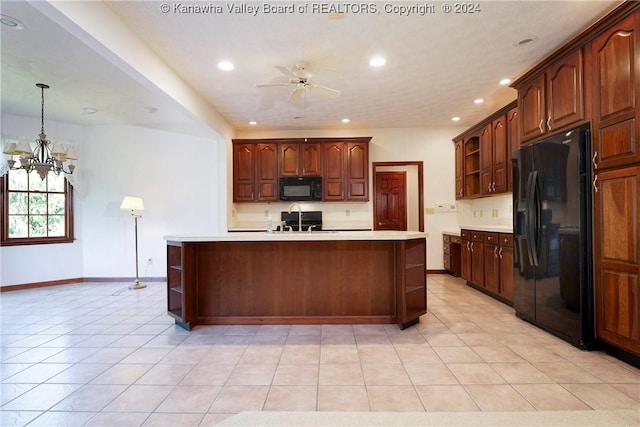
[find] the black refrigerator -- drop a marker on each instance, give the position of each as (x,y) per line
(553,286)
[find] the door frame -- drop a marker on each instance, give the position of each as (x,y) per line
(420,183)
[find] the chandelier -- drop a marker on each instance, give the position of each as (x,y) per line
(46,157)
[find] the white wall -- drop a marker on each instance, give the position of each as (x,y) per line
(180,178)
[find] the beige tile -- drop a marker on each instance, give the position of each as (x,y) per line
(233,399)
(261,354)
(417,354)
(121,374)
(464,327)
(475,373)
(430,374)
(566,372)
(498,353)
(497,397)
(300,354)
(385,374)
(293,340)
(91,397)
(631,390)
(296,375)
(139,398)
(343,398)
(224,354)
(339,354)
(408,339)
(395,398)
(341,374)
(173,420)
(444,340)
(372,339)
(185,355)
(532,353)
(520,373)
(189,399)
(478,339)
(457,355)
(41,397)
(165,374)
(18,418)
(602,396)
(611,372)
(550,397)
(61,418)
(446,398)
(252,374)
(216,374)
(37,373)
(291,398)
(119,419)
(378,354)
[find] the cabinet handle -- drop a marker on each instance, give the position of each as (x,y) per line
(471,247)
(540,126)
(595,183)
(468,246)
(549,122)
(489,187)
(500,253)
(594,161)
(493,186)
(495,252)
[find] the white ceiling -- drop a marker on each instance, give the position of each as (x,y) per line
(437,64)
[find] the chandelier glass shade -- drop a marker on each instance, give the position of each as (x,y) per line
(45,157)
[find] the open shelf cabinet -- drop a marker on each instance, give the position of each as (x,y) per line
(411,281)
(178,257)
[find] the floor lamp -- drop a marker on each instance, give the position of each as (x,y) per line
(134,204)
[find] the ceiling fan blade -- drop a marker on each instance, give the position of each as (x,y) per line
(322,90)
(295,93)
(274,85)
(287,72)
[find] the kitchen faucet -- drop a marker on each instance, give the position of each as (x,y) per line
(299,214)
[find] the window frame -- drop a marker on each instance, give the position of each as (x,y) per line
(5,240)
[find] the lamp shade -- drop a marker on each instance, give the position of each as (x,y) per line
(132,203)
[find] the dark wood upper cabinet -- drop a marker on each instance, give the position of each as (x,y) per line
(255,172)
(334,171)
(346,170)
(513,138)
(357,182)
(300,159)
(531,104)
(459,155)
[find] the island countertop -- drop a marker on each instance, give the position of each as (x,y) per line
(297,236)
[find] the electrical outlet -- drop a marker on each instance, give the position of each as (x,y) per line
(150,261)
(429,211)
(266,213)
(348,213)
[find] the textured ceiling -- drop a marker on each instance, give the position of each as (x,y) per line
(437,64)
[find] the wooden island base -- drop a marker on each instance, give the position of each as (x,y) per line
(296,282)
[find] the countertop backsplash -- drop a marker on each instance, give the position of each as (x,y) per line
(495,211)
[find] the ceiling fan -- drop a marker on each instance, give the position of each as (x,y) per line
(300,80)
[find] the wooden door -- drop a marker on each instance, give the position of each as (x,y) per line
(311,159)
(486,160)
(289,158)
(477,263)
(465,255)
(531,104)
(564,94)
(617,253)
(267,172)
(243,172)
(390,199)
(333,177)
(491,268)
(500,154)
(505,255)
(513,137)
(459,152)
(357,170)
(616,105)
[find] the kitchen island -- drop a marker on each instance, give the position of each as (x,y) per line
(297,278)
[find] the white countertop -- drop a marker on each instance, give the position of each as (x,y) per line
(297,236)
(489,228)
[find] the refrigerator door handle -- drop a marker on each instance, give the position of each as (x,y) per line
(535,213)
(528,226)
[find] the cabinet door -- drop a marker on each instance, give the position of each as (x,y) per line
(491,268)
(289,158)
(531,104)
(616,126)
(617,252)
(311,159)
(513,138)
(243,172)
(459,153)
(506,272)
(500,154)
(564,94)
(267,172)
(465,260)
(357,182)
(411,279)
(486,160)
(333,178)
(477,263)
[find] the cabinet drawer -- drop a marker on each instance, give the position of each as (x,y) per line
(491,238)
(446,238)
(455,239)
(447,263)
(506,240)
(477,236)
(446,248)
(465,234)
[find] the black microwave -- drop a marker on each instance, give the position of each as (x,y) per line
(301,188)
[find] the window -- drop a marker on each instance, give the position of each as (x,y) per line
(36,211)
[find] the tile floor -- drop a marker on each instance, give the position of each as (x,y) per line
(98,354)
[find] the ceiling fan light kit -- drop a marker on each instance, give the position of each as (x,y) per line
(300,80)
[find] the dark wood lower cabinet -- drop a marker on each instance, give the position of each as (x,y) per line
(451,252)
(297,282)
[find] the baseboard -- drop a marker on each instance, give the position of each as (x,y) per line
(71,281)
(437,271)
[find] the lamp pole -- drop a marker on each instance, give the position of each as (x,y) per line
(136,284)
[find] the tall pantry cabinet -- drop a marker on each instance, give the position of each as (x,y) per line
(616,183)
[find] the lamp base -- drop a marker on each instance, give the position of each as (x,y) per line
(137,285)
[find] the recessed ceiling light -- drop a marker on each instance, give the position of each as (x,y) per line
(225,65)
(455,119)
(150,109)
(253,123)
(346,120)
(505,82)
(377,61)
(526,41)
(10,22)
(478,101)
(89,110)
